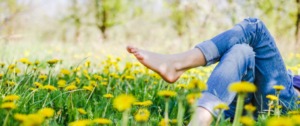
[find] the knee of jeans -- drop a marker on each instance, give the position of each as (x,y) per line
(252,20)
(243,50)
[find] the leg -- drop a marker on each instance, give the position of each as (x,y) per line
(169,67)
(270,69)
(237,64)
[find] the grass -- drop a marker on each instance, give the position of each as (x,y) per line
(117,77)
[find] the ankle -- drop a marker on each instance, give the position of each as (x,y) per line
(176,62)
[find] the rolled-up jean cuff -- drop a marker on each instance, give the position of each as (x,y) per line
(210,51)
(209,102)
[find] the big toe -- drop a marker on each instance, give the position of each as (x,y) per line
(130,48)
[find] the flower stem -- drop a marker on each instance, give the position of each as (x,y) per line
(45,100)
(125,117)
(239,109)
(194,108)
(103,115)
(180,113)
(166,112)
(90,95)
(219,117)
(6,118)
(277,112)
(72,101)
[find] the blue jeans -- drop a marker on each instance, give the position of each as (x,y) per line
(247,52)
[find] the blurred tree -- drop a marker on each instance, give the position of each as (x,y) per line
(180,14)
(74,19)
(106,14)
(298,22)
(9,10)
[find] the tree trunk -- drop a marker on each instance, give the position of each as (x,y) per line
(298,22)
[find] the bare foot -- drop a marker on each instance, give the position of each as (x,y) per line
(164,65)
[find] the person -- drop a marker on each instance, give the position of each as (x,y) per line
(247,52)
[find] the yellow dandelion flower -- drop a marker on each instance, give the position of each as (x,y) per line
(296,119)
(97,77)
(163,123)
(36,62)
(65,72)
(197,84)
(87,76)
(279,106)
(138,103)
(20,117)
(2,65)
(118,59)
(279,87)
(281,121)
(173,121)
(93,83)
(83,122)
(123,102)
(24,60)
(221,106)
(247,121)
(250,107)
(293,112)
(130,77)
(298,102)
(142,115)
(192,96)
(103,83)
(33,89)
(184,76)
(50,88)
(10,83)
(77,80)
(35,68)
(71,87)
(102,121)
(108,96)
(81,111)
(123,78)
(147,103)
(37,84)
(58,113)
(11,66)
(181,86)
(8,105)
(85,71)
(34,120)
(11,98)
(167,93)
(52,62)
(1,75)
(15,71)
(47,112)
(272,97)
(242,87)
(88,88)
(29,63)
(43,77)
(61,83)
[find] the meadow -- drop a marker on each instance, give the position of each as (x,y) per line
(112,89)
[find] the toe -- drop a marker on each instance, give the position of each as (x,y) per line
(134,50)
(129,48)
(138,56)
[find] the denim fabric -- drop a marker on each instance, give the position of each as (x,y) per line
(247,52)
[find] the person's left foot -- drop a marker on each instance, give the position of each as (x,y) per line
(164,65)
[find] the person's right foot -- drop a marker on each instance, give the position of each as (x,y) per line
(164,65)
